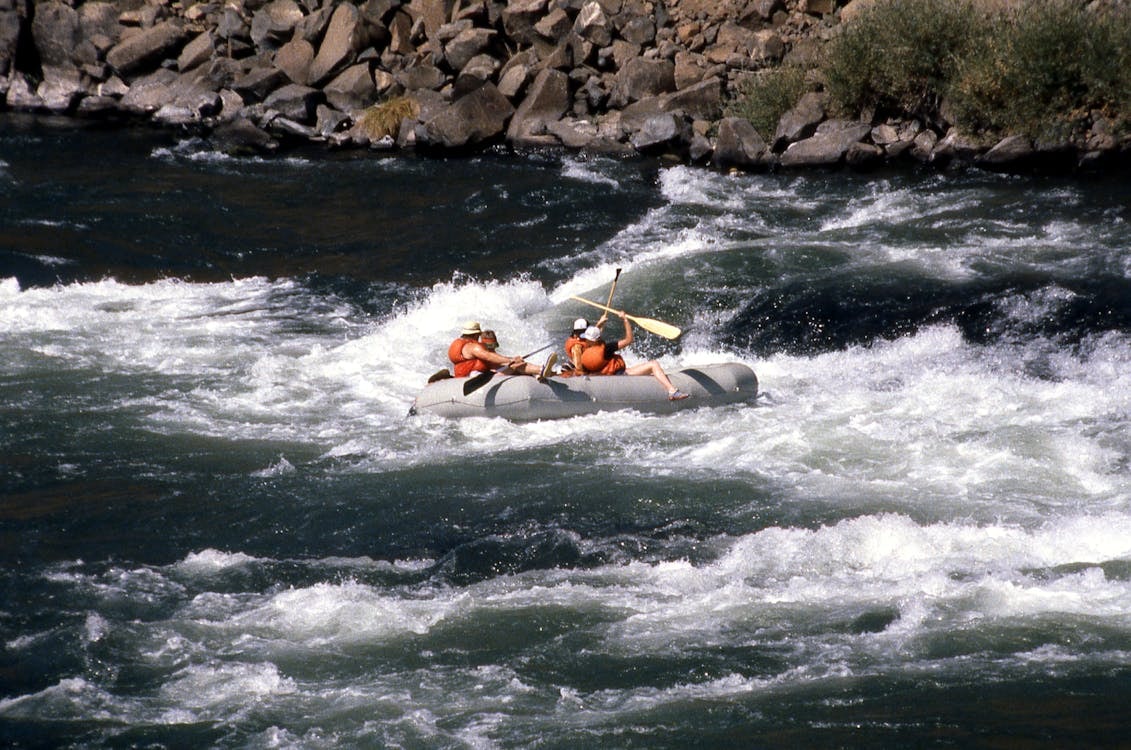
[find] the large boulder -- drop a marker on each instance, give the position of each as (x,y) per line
(295,58)
(519,18)
(55,30)
(274,24)
(545,102)
(466,45)
(241,137)
(801,121)
(1013,152)
(9,40)
(345,37)
(478,117)
(656,131)
(258,83)
(593,25)
(147,47)
(196,53)
(703,100)
(149,93)
(827,146)
(353,89)
(739,145)
(642,78)
(295,102)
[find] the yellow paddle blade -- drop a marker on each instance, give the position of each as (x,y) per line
(658,327)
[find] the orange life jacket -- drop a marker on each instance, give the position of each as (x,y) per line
(464,366)
(597,360)
(571,342)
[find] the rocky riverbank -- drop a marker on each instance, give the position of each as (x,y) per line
(610,76)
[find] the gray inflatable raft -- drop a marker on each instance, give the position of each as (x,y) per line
(523,398)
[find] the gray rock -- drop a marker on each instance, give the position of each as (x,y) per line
(258,83)
(519,18)
(956,145)
(545,102)
(923,147)
(640,79)
(20,95)
(295,59)
(703,100)
(432,14)
(146,47)
(479,70)
(575,134)
(480,116)
(61,89)
(55,30)
(700,148)
(639,30)
(149,93)
(295,102)
(241,137)
(739,145)
(1012,152)
(466,45)
(592,24)
(801,121)
(99,21)
(352,89)
(827,146)
(421,77)
(196,53)
(863,155)
(657,130)
(555,25)
(345,37)
(274,24)
(9,40)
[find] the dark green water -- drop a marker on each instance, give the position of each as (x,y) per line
(219,529)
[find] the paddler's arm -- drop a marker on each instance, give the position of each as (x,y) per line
(627,340)
(575,356)
(478,351)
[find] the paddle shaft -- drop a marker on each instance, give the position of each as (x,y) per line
(613,288)
(658,327)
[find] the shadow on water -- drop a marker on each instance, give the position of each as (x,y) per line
(818,315)
(136,206)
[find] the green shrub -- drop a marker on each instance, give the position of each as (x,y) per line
(899,55)
(765,96)
(1047,68)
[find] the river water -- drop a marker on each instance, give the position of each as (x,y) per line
(218,527)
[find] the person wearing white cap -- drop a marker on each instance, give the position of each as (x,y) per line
(599,357)
(574,345)
(469,355)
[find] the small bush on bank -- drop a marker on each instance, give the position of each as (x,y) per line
(767,95)
(899,56)
(384,119)
(1046,68)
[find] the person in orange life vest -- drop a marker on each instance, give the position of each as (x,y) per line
(574,345)
(490,342)
(470,356)
(600,358)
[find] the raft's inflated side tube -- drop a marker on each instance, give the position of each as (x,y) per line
(523,398)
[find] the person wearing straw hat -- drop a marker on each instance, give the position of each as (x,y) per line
(469,355)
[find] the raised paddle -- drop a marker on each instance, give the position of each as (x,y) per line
(658,327)
(613,288)
(475,382)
